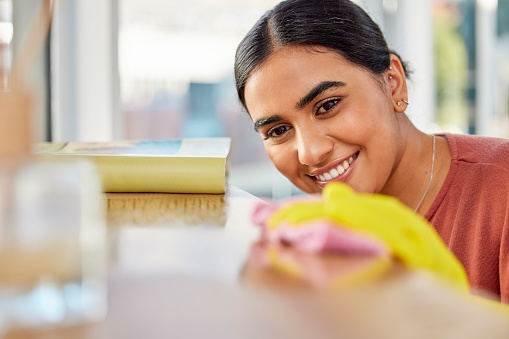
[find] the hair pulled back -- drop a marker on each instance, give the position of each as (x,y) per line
(338,25)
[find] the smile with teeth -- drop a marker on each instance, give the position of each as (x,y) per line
(338,170)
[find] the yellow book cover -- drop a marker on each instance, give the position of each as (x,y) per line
(163,166)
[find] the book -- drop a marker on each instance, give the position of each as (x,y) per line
(185,165)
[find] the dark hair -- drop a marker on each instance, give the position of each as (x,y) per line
(338,25)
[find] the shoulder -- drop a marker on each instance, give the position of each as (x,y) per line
(480,150)
(478,174)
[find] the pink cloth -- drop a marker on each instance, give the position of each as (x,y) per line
(316,236)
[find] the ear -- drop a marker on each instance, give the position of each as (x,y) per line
(397,84)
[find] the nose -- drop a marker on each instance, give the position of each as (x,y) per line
(313,146)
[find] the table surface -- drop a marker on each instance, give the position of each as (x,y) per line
(190,266)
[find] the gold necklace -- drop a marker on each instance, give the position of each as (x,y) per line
(430,177)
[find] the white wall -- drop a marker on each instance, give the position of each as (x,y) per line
(407,26)
(486,33)
(85,85)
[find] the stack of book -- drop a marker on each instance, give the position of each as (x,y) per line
(162,166)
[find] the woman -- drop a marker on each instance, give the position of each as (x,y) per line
(328,98)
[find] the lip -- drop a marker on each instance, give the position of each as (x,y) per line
(341,178)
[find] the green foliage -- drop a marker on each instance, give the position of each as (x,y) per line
(451,67)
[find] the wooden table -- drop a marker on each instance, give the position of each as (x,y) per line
(188,266)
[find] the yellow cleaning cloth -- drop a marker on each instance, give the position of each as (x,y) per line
(406,235)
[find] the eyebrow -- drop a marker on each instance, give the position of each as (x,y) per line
(317,90)
(265,121)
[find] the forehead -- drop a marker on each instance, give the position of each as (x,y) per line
(292,71)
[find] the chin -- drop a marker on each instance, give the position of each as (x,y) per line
(310,189)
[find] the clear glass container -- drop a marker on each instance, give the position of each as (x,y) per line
(52,244)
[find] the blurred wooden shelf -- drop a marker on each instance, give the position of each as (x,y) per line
(186,266)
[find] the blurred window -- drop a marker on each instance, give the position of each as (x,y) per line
(472,66)
(176,78)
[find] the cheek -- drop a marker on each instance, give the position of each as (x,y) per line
(354,128)
(284,161)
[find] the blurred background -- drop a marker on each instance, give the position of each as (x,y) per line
(132,69)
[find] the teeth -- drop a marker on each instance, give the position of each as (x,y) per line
(346,164)
(334,173)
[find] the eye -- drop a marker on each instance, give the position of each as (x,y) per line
(327,106)
(277,132)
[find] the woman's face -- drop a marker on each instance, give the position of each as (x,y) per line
(324,119)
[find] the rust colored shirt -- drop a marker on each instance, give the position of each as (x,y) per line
(471,211)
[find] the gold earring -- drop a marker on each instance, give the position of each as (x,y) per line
(399,104)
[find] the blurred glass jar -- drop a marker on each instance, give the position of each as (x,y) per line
(52,245)
(6,34)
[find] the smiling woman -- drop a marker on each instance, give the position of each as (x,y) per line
(324,110)
(328,97)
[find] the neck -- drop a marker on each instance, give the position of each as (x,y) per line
(411,173)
